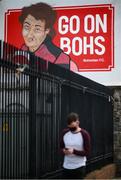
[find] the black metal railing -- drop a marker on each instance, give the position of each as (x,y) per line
(35,98)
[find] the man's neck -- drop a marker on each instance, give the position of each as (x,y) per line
(78,129)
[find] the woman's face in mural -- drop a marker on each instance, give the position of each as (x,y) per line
(34,32)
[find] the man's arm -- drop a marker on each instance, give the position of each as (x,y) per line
(87,145)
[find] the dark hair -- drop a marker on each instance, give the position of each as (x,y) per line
(40,11)
(72,117)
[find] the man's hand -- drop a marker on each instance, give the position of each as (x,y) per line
(68,151)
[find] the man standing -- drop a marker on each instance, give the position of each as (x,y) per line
(75,146)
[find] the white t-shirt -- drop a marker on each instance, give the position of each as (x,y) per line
(75,141)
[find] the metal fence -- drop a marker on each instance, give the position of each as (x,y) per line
(35,98)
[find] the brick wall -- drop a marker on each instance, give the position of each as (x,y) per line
(117,128)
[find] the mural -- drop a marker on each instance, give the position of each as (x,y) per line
(82,36)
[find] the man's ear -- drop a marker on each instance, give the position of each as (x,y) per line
(78,122)
(47,31)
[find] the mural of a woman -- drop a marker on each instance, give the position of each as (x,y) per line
(37,30)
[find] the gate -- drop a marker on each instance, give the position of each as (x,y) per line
(35,98)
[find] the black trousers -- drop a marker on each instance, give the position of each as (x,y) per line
(78,173)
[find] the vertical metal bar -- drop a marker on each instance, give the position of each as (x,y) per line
(59,109)
(1,44)
(18,103)
(24,124)
(52,121)
(26,94)
(7,114)
(24,116)
(2,122)
(2,153)
(45,127)
(43,124)
(21,59)
(18,118)
(13,118)
(3,148)
(5,120)
(14,124)
(32,120)
(10,120)
(41,121)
